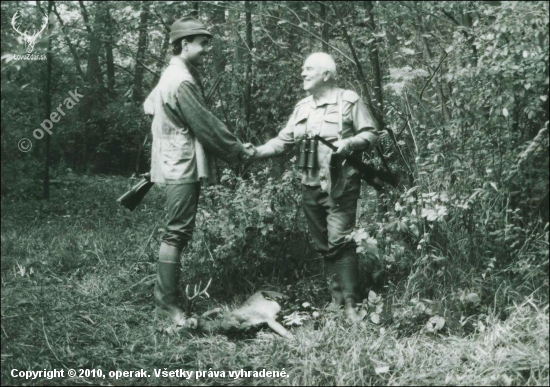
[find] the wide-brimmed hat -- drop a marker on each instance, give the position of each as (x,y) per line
(332,176)
(187,26)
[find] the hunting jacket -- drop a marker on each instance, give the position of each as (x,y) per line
(185,132)
(323,118)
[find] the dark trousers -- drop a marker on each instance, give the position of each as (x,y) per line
(331,220)
(181,201)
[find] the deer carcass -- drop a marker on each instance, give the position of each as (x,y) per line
(258,310)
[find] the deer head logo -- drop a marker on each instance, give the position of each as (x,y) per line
(29,39)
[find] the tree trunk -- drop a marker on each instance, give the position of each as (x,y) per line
(48,109)
(109,53)
(437,78)
(195,12)
(249,43)
(71,47)
(94,82)
(163,53)
(137,95)
(375,64)
(324,31)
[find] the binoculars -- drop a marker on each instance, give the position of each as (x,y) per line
(307,158)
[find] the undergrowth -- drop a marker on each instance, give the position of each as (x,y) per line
(78,272)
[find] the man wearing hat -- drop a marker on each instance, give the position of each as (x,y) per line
(185,135)
(330,187)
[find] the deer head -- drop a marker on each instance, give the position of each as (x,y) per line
(28,39)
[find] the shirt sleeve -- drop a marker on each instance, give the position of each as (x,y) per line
(363,125)
(284,141)
(208,129)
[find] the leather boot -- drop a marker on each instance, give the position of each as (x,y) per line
(167,293)
(334,285)
(347,267)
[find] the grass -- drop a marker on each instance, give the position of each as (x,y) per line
(77,279)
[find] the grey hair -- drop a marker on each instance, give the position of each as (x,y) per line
(325,62)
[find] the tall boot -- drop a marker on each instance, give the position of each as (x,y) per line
(167,293)
(334,284)
(347,267)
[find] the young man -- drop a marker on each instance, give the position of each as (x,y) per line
(185,134)
(330,187)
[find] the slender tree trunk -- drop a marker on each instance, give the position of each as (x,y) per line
(324,28)
(109,53)
(163,53)
(94,82)
(378,95)
(195,12)
(218,55)
(71,47)
(249,43)
(375,64)
(467,22)
(48,109)
(137,96)
(437,78)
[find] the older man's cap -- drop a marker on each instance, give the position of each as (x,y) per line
(187,26)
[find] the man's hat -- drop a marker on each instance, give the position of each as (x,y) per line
(187,26)
(332,177)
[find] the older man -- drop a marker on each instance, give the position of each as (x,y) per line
(185,134)
(330,187)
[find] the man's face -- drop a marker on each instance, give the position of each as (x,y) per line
(197,50)
(313,75)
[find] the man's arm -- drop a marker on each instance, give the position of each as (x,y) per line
(208,129)
(363,125)
(280,144)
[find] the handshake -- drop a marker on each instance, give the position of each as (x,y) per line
(250,152)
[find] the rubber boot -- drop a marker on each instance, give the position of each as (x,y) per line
(347,267)
(167,293)
(334,284)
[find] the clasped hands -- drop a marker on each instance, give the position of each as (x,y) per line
(251,152)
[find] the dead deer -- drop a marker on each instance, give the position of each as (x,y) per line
(259,310)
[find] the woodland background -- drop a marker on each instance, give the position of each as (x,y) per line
(455,260)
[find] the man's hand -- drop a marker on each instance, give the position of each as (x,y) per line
(344,148)
(249,151)
(146,176)
(262,152)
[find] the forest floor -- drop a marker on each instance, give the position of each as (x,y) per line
(77,282)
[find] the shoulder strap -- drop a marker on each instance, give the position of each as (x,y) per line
(340,114)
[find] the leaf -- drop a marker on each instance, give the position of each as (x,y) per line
(505,112)
(296,318)
(435,324)
(382,370)
(473,298)
(373,298)
(493,185)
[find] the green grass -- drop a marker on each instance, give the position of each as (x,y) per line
(77,280)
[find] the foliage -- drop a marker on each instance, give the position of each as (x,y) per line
(454,261)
